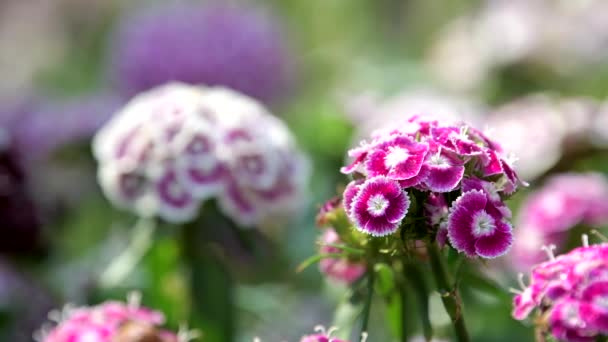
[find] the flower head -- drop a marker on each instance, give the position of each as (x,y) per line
(212,44)
(571,294)
(176,146)
(107,322)
(427,162)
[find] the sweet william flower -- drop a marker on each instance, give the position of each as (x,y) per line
(379,206)
(477,228)
(176,146)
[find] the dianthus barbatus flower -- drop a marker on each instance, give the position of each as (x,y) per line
(428,162)
(177,145)
(213,44)
(548,214)
(339,269)
(326,336)
(109,322)
(570,292)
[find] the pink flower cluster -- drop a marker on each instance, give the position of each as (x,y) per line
(338,269)
(175,146)
(571,294)
(430,162)
(325,336)
(565,201)
(105,323)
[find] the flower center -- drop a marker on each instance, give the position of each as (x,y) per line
(483,224)
(395,156)
(438,160)
(602,302)
(377,205)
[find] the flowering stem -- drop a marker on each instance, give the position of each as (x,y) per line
(211,284)
(448,292)
(368,303)
(539,335)
(418,283)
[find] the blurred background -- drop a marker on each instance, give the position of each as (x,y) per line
(532,72)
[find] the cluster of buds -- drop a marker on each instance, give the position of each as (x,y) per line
(452,175)
(563,203)
(108,322)
(175,146)
(570,293)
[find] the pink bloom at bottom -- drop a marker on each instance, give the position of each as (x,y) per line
(339,269)
(107,322)
(320,338)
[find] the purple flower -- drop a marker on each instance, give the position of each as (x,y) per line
(350,192)
(477,228)
(443,172)
(379,206)
(436,212)
(212,44)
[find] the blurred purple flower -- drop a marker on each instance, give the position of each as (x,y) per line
(39,126)
(211,44)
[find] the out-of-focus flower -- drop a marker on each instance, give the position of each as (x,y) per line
(562,35)
(570,293)
(370,113)
(420,157)
(211,44)
(339,269)
(176,146)
(325,336)
(107,322)
(564,202)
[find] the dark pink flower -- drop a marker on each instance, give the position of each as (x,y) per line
(594,307)
(476,228)
(443,172)
(399,158)
(567,325)
(351,190)
(379,206)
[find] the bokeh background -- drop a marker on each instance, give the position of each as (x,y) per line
(534,72)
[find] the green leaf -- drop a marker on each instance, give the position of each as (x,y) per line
(316,258)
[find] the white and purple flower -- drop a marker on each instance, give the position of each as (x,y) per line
(176,146)
(379,206)
(477,228)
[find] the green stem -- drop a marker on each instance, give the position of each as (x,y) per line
(419,285)
(449,293)
(125,263)
(404,302)
(368,303)
(211,284)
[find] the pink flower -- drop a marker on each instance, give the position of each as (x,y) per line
(477,228)
(571,290)
(399,158)
(436,212)
(339,269)
(564,202)
(379,206)
(105,323)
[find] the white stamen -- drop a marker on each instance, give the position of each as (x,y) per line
(320,329)
(186,335)
(134,299)
(585,239)
(549,250)
(520,280)
(364,336)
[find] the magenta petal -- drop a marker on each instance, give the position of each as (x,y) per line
(491,163)
(352,189)
(444,178)
(523,304)
(376,165)
(497,244)
(176,202)
(350,168)
(408,168)
(594,311)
